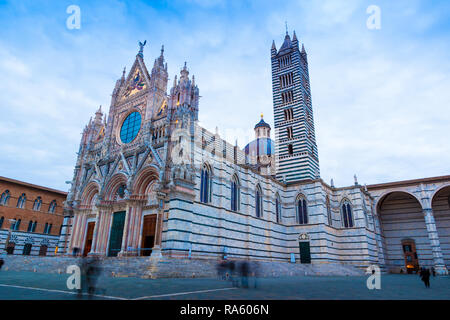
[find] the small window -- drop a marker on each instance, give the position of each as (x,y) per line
(52,207)
(205,185)
(330,219)
(278,208)
(235,194)
(21,201)
(37,204)
(258,202)
(347,216)
(4,198)
(290,149)
(302,211)
(30,226)
(2,219)
(16,225)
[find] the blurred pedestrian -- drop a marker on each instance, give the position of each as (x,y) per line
(433,271)
(256,273)
(222,270)
(244,274)
(231,273)
(425,276)
(90,272)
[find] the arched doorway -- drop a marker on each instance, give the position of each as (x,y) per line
(404,232)
(441,212)
(410,255)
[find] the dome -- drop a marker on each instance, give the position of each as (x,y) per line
(262,123)
(260,147)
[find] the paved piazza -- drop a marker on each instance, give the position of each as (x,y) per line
(29,285)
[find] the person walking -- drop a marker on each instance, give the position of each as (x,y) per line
(425,276)
(433,271)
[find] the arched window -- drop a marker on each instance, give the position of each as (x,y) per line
(33,229)
(21,201)
(45,228)
(258,202)
(52,207)
(2,219)
(235,194)
(347,216)
(278,208)
(205,185)
(16,224)
(37,204)
(330,218)
(30,226)
(4,199)
(302,211)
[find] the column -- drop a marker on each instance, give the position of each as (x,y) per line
(96,231)
(438,260)
(378,237)
(156,251)
(123,250)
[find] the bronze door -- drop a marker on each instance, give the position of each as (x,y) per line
(148,234)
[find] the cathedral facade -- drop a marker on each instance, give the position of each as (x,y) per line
(149,181)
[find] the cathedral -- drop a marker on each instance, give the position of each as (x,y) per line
(150,181)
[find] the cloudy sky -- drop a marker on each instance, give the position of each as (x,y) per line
(381,98)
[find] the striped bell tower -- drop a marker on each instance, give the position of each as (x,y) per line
(296,150)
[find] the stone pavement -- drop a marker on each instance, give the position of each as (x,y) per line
(29,285)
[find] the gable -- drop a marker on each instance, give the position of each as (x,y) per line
(137,81)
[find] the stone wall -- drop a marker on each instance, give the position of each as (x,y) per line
(172,268)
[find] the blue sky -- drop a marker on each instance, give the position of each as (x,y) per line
(381,98)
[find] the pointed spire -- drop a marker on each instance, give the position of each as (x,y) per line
(303,48)
(184,73)
(287,33)
(356,179)
(123,73)
(162,50)
(294,37)
(332,183)
(273,45)
(98,115)
(175,81)
(193,81)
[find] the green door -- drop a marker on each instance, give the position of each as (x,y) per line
(115,238)
(305,253)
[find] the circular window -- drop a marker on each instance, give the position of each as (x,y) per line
(130,127)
